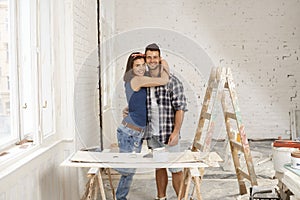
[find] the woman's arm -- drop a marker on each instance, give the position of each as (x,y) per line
(145,81)
(165,66)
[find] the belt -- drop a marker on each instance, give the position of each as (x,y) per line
(133,127)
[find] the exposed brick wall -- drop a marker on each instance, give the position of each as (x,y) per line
(86,72)
(259,40)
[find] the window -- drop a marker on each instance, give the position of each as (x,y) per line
(5,93)
(26,80)
(27,70)
(46,67)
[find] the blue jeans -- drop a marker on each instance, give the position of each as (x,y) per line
(129,141)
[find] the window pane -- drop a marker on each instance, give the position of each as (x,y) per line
(26,69)
(5,116)
(46,67)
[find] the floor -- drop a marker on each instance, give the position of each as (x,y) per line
(217,183)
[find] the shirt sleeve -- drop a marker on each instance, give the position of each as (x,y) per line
(178,97)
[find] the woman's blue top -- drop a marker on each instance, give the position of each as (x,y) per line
(137,106)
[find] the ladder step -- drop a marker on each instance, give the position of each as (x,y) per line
(230,115)
(226,85)
(198,146)
(207,116)
(244,174)
(237,145)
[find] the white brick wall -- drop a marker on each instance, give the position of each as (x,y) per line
(259,40)
(86,73)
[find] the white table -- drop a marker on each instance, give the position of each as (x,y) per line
(291,178)
(190,161)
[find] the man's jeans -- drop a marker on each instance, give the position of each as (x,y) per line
(129,141)
(154,143)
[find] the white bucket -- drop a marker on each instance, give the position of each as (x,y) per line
(296,163)
(296,159)
(281,156)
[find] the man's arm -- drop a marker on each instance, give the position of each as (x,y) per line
(179,104)
(174,137)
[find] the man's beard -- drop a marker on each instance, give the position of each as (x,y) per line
(153,68)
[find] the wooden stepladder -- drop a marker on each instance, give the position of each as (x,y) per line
(221,89)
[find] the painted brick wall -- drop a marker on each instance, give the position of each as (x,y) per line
(259,40)
(86,73)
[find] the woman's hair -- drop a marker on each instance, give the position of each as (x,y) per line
(128,75)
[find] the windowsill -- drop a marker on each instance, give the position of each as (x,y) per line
(15,151)
(19,155)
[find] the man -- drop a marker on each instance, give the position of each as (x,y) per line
(166,106)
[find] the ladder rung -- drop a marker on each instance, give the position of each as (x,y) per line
(198,145)
(237,145)
(207,116)
(231,115)
(244,174)
(226,85)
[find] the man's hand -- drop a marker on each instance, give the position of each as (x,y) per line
(125,112)
(173,139)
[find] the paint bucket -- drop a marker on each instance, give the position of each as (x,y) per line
(281,156)
(295,159)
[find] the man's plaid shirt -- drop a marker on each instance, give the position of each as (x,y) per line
(170,98)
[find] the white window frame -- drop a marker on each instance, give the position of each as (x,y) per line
(38,135)
(46,101)
(14,108)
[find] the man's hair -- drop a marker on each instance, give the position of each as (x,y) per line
(152,47)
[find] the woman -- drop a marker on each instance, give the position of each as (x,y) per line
(131,131)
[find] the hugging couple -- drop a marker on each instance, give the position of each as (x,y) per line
(156,106)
